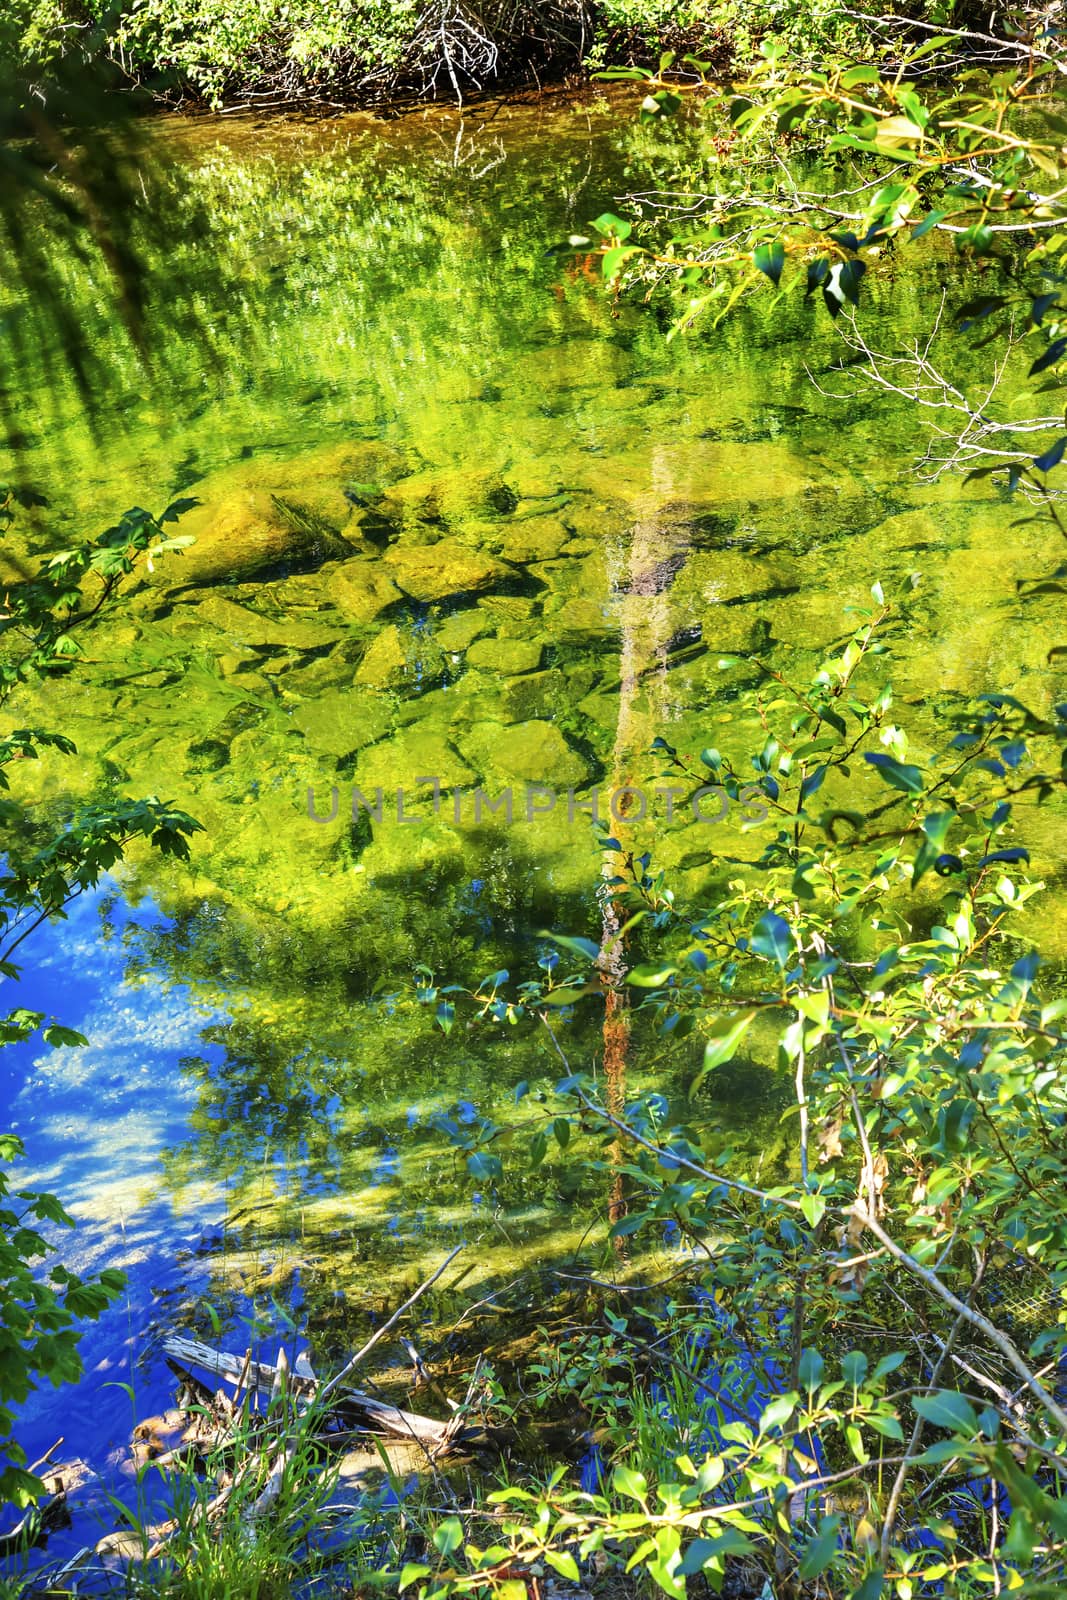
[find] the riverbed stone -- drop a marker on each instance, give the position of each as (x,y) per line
(583,621)
(509,657)
(436,571)
(539,539)
(342,720)
(235,536)
(250,628)
(455,633)
(523,752)
(385,662)
(413,753)
(455,495)
(531,697)
(361,589)
(318,478)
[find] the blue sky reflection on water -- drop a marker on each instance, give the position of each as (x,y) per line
(94,1120)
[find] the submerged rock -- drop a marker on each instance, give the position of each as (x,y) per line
(386,661)
(402,656)
(509,657)
(340,721)
(436,571)
(524,752)
(580,621)
(536,540)
(361,589)
(531,697)
(406,761)
(247,627)
(458,632)
(265,513)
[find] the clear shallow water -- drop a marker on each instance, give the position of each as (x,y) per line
(564,520)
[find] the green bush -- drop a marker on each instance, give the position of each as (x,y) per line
(366,49)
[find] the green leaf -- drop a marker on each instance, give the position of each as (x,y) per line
(731,1542)
(821,1550)
(55,1035)
(898,774)
(811,1368)
(890,1363)
(1022,1537)
(1052,354)
(948,1409)
(483,1165)
(608,223)
(631,1484)
(448,1536)
(814,1208)
(446,1015)
(772,938)
(889,1427)
(649,977)
(411,1574)
(778,1413)
(855,1444)
(615,259)
(857,75)
(1052,456)
(770,259)
(854,1367)
(577,946)
(562,997)
(726,1034)
(935,831)
(564,1564)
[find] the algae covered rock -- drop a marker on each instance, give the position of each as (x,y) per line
(237,536)
(457,632)
(265,513)
(509,657)
(342,720)
(523,752)
(582,621)
(540,539)
(402,656)
(407,761)
(361,588)
(436,571)
(249,628)
(532,697)
(386,661)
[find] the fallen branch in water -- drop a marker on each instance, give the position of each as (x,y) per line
(183,1352)
(352,1364)
(49,1512)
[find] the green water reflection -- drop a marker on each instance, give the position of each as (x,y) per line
(460,517)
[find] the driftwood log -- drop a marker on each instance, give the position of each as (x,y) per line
(186,1355)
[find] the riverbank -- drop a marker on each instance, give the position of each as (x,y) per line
(267,54)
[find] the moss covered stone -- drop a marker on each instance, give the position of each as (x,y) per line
(437,571)
(360,589)
(386,660)
(413,754)
(244,627)
(524,752)
(510,657)
(342,720)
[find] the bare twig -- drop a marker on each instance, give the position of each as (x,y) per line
(351,1365)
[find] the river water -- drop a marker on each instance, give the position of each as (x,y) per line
(460,517)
